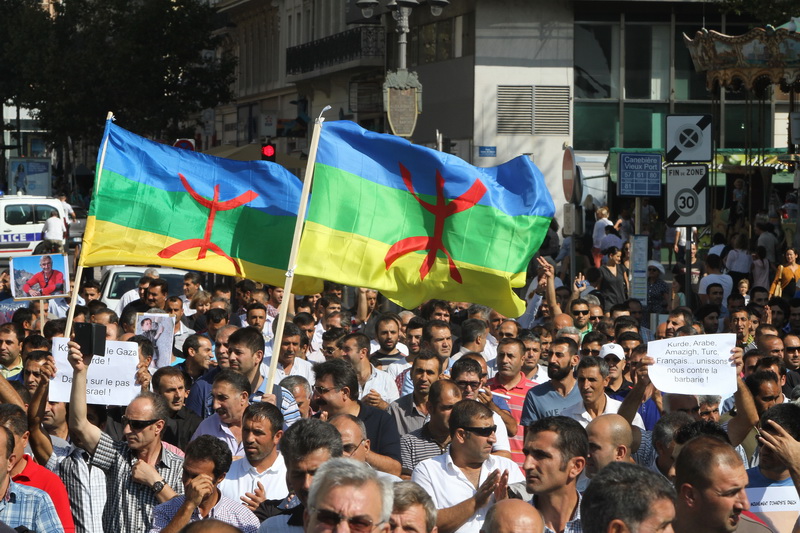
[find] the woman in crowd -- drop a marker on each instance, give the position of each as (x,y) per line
(614,287)
(739,261)
(658,292)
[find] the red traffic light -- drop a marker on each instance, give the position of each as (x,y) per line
(268,150)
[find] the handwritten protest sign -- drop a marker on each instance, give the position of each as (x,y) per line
(698,364)
(110,380)
(776,506)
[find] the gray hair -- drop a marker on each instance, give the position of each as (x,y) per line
(408,493)
(290,382)
(569,330)
(667,427)
(151,273)
(709,400)
(342,472)
(481,310)
(592,300)
(403,314)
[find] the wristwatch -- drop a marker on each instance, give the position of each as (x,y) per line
(158,486)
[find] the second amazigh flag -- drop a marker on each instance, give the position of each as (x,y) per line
(155,204)
(417,224)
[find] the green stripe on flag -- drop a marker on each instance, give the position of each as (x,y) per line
(248,234)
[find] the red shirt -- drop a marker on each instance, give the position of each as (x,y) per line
(34,475)
(516,401)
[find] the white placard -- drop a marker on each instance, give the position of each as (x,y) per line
(698,364)
(776,506)
(110,379)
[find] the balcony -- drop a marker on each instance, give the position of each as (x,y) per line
(363,46)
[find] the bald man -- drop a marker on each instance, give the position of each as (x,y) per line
(562,321)
(513,516)
(610,441)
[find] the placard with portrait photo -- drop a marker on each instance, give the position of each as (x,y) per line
(37,277)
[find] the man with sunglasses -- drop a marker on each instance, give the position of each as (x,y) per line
(579,309)
(465,482)
(592,343)
(345,490)
(355,444)
(140,472)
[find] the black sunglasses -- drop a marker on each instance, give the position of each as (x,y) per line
(579,312)
(481,432)
(587,351)
(471,384)
(137,425)
(358,524)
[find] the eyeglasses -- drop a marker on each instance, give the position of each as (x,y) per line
(357,524)
(481,432)
(330,350)
(792,348)
(350,449)
(578,312)
(33,373)
(138,425)
(468,384)
(323,390)
(587,351)
(596,317)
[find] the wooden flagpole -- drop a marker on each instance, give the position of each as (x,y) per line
(298,230)
(73,300)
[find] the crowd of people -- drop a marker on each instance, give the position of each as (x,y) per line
(448,418)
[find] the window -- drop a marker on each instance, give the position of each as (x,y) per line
(18,214)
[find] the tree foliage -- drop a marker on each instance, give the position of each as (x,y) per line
(775,12)
(151,62)
(23,28)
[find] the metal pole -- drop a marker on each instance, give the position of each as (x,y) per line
(403,13)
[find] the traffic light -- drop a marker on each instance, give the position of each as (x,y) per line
(268,152)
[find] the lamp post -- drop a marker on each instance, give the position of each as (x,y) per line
(402,90)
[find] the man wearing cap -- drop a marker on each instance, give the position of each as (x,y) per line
(614,356)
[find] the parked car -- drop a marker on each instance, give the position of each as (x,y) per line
(78,227)
(117,280)
(22,222)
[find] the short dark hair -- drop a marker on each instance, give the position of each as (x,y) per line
(427,355)
(465,412)
(308,435)
(439,387)
(145,345)
(265,411)
(572,346)
(14,418)
(194,277)
(465,365)
(303,319)
(166,371)
(572,440)
(161,409)
(362,341)
(342,372)
(427,334)
(56,327)
(250,337)
(698,457)
(256,306)
(333,334)
(10,441)
(471,329)
(593,362)
(208,447)
(15,328)
(162,285)
(623,491)
(238,381)
(90,284)
(192,342)
(786,415)
(759,377)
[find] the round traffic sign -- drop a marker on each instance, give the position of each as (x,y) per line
(688,137)
(686,202)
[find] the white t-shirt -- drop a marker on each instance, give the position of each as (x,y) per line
(54,229)
(242,478)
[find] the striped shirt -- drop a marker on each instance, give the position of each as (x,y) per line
(417,446)
(517,394)
(129,507)
(226,510)
(29,507)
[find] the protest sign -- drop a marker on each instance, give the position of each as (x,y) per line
(699,364)
(110,379)
(776,506)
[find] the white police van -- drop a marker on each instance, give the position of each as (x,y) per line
(22,222)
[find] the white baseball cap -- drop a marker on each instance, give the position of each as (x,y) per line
(612,349)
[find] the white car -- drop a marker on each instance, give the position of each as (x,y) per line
(117,280)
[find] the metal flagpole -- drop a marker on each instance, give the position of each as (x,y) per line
(298,230)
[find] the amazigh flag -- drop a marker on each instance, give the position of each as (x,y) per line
(158,205)
(417,224)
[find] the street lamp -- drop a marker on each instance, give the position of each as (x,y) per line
(402,90)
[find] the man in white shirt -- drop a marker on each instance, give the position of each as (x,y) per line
(378,389)
(289,362)
(467,480)
(261,475)
(592,376)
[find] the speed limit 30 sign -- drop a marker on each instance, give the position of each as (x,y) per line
(687,195)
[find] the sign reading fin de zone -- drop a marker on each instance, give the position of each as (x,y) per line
(687,195)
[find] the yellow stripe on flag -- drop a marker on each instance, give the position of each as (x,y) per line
(331,254)
(102,240)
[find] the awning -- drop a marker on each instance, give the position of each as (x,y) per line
(724,159)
